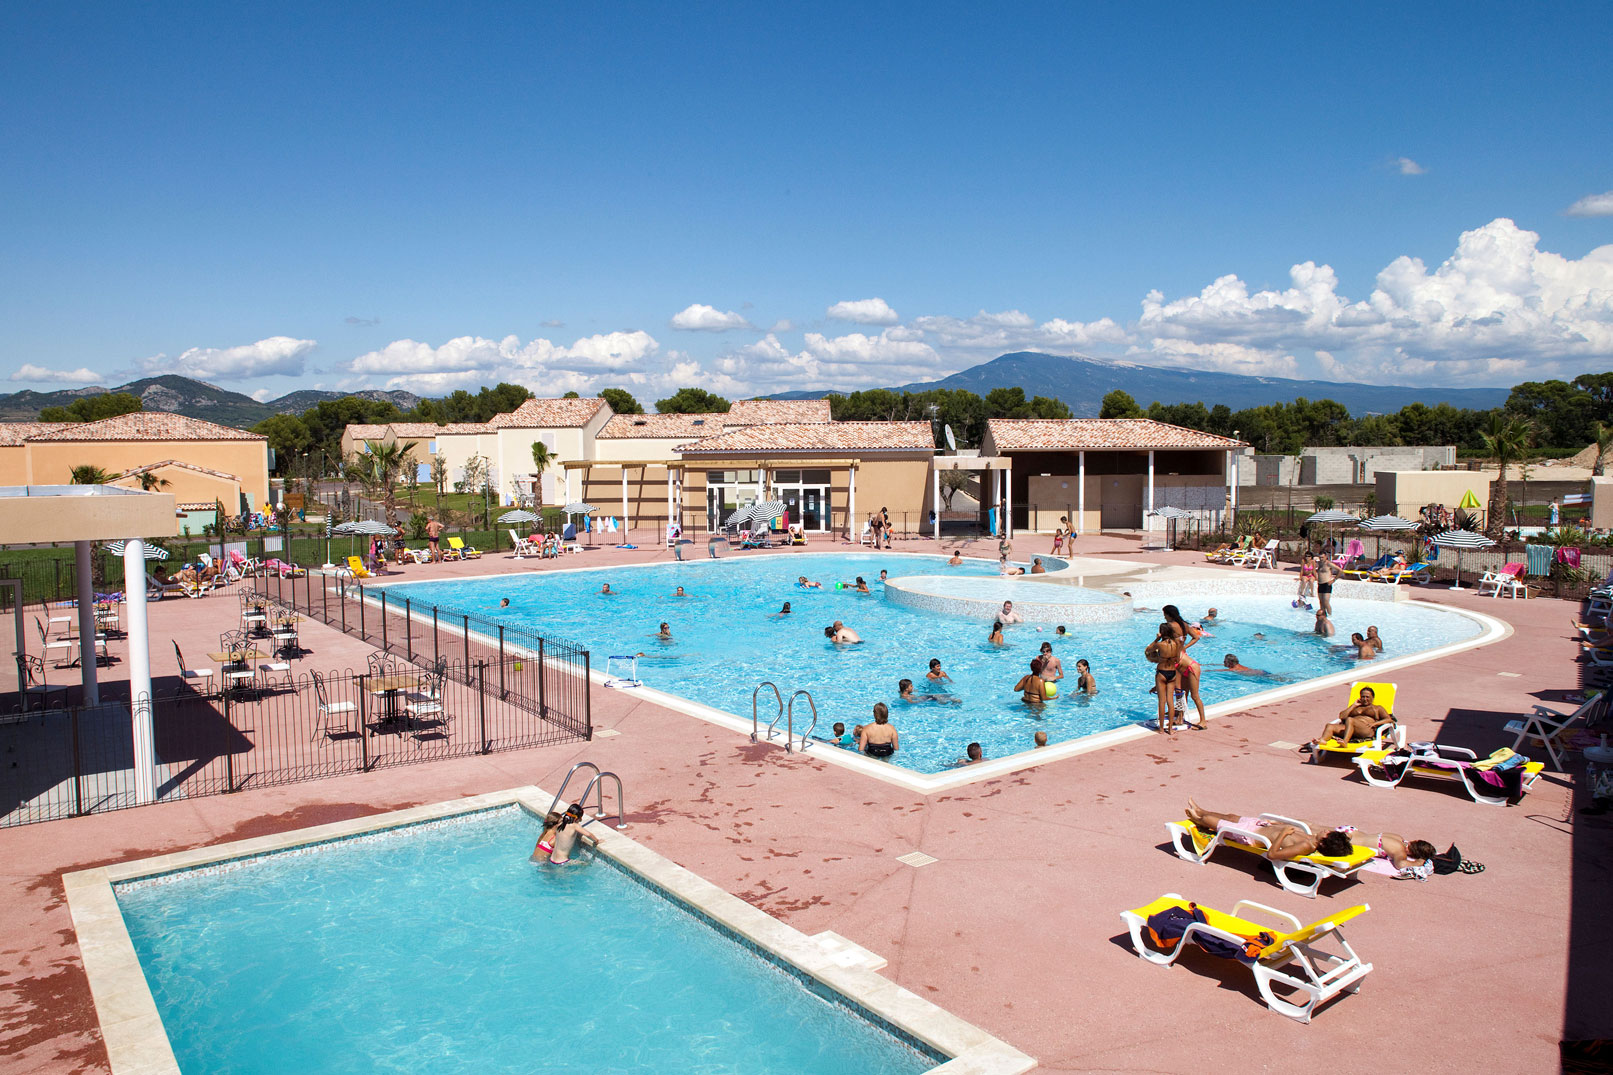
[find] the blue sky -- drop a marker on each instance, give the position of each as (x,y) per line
(756,198)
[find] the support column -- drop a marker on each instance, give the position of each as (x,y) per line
(935,500)
(625,528)
(140,712)
(997,500)
(1150,508)
(852,529)
(86,623)
(1081,492)
(670,518)
(1008,501)
(569,500)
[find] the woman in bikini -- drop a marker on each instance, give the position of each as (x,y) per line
(1188,635)
(1307,577)
(1083,679)
(1287,842)
(545,847)
(1165,652)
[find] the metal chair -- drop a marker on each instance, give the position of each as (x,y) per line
(193,675)
(237,674)
(329,710)
(38,686)
(427,702)
(62,646)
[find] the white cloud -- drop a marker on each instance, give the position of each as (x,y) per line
(1593,205)
(698,317)
(1408,166)
(863,312)
(783,324)
(542,365)
(40,375)
(280,355)
(263,395)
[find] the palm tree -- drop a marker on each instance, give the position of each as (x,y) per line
(1604,444)
(90,474)
(542,459)
(1505,441)
(379,469)
(150,482)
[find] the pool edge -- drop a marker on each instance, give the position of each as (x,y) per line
(137,1042)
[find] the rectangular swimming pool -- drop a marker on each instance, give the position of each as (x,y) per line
(439,947)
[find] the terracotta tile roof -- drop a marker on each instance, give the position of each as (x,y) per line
(414,429)
(1019,434)
(148,425)
(818,436)
(468,427)
(176,463)
(548,414)
(13,434)
(749,412)
(361,432)
(639,426)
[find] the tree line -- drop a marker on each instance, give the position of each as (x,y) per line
(1557,416)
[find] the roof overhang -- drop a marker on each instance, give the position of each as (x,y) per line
(30,514)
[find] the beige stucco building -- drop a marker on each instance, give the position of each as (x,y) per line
(201,461)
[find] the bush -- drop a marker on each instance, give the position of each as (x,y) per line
(1323,503)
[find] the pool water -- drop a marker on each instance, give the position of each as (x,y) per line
(727,637)
(439,948)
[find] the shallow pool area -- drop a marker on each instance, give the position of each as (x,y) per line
(729,633)
(438,946)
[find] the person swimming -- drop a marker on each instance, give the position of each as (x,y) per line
(879,739)
(680,593)
(606,591)
(785,611)
(1033,689)
(996,636)
(904,692)
(936,674)
(841,635)
(504,602)
(545,848)
(566,835)
(803,584)
(957,558)
(1083,678)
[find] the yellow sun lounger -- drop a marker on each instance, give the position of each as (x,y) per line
(458,550)
(1387,768)
(1301,876)
(1387,737)
(1289,958)
(356,568)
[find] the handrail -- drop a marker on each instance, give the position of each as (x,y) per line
(569,774)
(599,807)
(790,727)
(755,715)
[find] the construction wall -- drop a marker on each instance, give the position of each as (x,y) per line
(1404,493)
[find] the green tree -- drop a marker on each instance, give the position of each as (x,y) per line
(289,437)
(1506,440)
(379,469)
(1119,404)
(572,395)
(93,408)
(90,474)
(1604,444)
(439,474)
(327,419)
(1564,415)
(150,482)
(621,401)
(542,458)
(461,406)
(692,401)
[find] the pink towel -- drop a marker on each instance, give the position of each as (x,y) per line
(1569,556)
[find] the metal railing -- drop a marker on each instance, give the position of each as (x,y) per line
(278,729)
(548,675)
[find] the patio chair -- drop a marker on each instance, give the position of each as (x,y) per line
(426,703)
(355,568)
(867,535)
(329,711)
(254,613)
(382,664)
(193,675)
(236,674)
(63,647)
(1382,562)
(1494,781)
(66,614)
(39,686)
(1288,958)
(463,551)
(1507,579)
(1549,727)
(1264,556)
(523,546)
(1301,876)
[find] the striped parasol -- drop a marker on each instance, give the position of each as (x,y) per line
(519,515)
(763,511)
(1333,517)
(366,526)
(1459,540)
(1387,522)
(152,552)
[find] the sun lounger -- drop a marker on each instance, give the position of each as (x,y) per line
(356,568)
(1508,580)
(1263,556)
(458,550)
(1301,876)
(1549,728)
(1386,737)
(1494,781)
(1287,957)
(1382,562)
(524,546)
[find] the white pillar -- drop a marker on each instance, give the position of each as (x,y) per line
(140,712)
(670,518)
(852,529)
(1150,507)
(1081,492)
(1008,500)
(86,623)
(997,499)
(624,504)
(935,500)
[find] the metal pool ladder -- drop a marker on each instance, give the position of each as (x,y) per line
(785,712)
(790,719)
(596,786)
(755,710)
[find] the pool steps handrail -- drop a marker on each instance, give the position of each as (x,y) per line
(594,785)
(755,710)
(790,719)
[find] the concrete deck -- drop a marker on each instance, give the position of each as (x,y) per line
(1015,926)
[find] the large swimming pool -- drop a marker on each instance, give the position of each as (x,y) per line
(439,948)
(728,636)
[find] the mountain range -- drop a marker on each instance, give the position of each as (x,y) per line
(196,399)
(1083,382)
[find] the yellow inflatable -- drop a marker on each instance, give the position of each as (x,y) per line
(1050,690)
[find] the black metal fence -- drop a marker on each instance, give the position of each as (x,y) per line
(271,729)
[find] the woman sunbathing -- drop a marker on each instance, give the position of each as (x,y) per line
(1287,842)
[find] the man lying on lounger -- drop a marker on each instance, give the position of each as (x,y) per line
(1361,719)
(1287,841)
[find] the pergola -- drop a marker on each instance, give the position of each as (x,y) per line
(85,514)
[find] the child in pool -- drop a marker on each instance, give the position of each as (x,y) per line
(935,674)
(1083,679)
(545,847)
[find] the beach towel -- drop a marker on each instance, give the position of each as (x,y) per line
(1569,556)
(1538,558)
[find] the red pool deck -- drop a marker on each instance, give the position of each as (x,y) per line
(1016,925)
